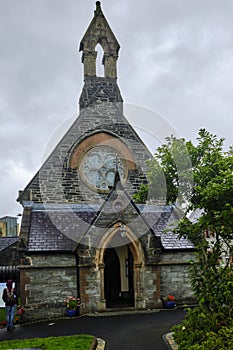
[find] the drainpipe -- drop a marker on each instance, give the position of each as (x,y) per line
(77,276)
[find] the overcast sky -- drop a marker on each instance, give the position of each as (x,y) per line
(176,58)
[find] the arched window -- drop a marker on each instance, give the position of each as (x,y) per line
(99,61)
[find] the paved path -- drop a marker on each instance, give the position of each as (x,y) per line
(121,332)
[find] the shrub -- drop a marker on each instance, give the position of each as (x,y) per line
(202,330)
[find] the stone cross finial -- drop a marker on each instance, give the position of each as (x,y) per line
(98,8)
(117,178)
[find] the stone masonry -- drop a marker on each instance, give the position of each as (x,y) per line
(69,224)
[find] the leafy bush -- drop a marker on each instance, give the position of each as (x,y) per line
(203,330)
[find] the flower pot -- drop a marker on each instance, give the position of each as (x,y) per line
(169,304)
(71,313)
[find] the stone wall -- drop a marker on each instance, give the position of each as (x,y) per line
(174,275)
(10,256)
(46,283)
(57,182)
(89,288)
(151,287)
(48,280)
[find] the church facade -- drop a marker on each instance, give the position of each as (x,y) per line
(83,233)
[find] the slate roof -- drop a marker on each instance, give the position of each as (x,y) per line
(60,228)
(165,218)
(6,242)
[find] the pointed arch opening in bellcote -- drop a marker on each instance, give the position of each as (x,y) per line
(99,33)
(100,71)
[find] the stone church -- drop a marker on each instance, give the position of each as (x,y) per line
(84,234)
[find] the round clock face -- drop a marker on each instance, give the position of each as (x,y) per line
(98,167)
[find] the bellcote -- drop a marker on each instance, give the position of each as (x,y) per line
(99,89)
(99,32)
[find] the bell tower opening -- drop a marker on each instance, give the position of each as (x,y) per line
(99,61)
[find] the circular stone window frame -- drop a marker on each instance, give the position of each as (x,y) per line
(109,151)
(102,139)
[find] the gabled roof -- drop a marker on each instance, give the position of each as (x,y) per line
(43,184)
(101,111)
(6,242)
(118,207)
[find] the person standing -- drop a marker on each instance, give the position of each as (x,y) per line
(10,299)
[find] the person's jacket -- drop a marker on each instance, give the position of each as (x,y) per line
(5,297)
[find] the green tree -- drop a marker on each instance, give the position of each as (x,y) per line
(212,273)
(169,175)
(204,181)
(174,170)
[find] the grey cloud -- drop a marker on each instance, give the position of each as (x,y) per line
(175,57)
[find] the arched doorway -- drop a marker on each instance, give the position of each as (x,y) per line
(112,277)
(131,267)
(118,277)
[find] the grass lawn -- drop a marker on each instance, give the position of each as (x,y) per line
(80,342)
(2,314)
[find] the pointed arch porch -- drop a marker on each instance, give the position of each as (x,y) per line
(137,252)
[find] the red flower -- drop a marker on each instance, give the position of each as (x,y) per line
(170,297)
(20,311)
(3,324)
(72,303)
